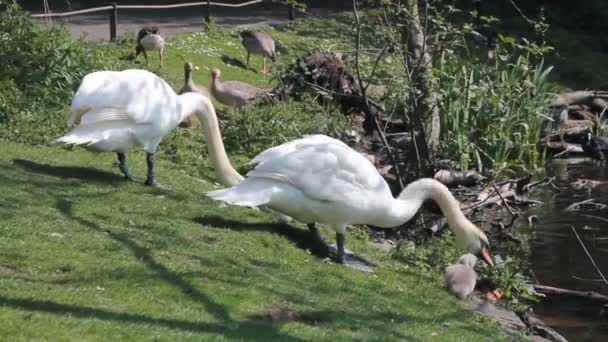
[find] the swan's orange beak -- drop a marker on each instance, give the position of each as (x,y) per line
(485,255)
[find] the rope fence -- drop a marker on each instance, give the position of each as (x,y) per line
(113,8)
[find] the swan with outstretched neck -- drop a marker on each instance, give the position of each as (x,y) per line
(318,179)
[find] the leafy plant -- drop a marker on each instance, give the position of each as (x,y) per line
(506,275)
(494,115)
(39,71)
(433,255)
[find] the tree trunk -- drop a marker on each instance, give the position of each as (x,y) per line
(419,63)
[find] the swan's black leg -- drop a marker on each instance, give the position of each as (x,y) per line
(340,243)
(247,60)
(150,180)
(122,165)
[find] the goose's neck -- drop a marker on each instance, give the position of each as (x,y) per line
(187,77)
(405,206)
(204,110)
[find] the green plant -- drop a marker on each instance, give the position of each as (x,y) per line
(255,128)
(507,276)
(433,255)
(40,69)
(493,116)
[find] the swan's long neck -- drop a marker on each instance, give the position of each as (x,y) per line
(204,110)
(405,206)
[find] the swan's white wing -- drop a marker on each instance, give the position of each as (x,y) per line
(135,95)
(290,146)
(105,114)
(323,168)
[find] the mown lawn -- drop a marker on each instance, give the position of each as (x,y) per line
(85,255)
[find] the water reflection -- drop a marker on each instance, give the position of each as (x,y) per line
(557,258)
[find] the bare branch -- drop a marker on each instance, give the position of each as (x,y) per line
(589,255)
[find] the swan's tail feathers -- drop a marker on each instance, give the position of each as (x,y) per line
(80,135)
(245,194)
(88,134)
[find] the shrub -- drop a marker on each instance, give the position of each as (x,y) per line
(40,69)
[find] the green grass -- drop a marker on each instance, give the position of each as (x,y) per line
(85,255)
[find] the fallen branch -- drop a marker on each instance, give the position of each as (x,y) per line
(562,147)
(596,99)
(595,217)
(565,134)
(560,291)
(503,200)
(589,255)
(578,205)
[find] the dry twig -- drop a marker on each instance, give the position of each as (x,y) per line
(589,255)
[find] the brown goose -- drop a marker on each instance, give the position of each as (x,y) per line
(258,43)
(149,39)
(191,87)
(232,93)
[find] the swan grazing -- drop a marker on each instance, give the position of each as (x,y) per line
(117,110)
(318,179)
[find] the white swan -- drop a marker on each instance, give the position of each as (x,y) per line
(119,110)
(320,179)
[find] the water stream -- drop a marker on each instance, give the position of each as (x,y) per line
(557,258)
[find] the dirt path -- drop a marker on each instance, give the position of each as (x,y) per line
(95,26)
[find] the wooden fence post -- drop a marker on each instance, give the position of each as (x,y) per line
(291,11)
(113,21)
(207,12)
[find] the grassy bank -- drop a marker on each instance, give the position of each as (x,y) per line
(87,255)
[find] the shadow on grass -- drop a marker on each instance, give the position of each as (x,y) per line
(141,253)
(235,62)
(246,328)
(302,238)
(82,173)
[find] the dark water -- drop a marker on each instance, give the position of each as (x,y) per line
(557,258)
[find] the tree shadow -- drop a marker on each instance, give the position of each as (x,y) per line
(303,239)
(78,172)
(244,328)
(143,254)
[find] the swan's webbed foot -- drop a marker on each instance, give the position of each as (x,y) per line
(122,165)
(151,179)
(153,183)
(347,257)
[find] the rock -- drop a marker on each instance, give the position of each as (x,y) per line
(456,178)
(511,323)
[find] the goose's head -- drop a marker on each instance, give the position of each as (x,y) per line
(215,74)
(473,240)
(189,67)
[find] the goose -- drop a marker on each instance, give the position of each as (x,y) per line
(115,111)
(232,93)
(191,87)
(318,179)
(461,278)
(258,43)
(149,39)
